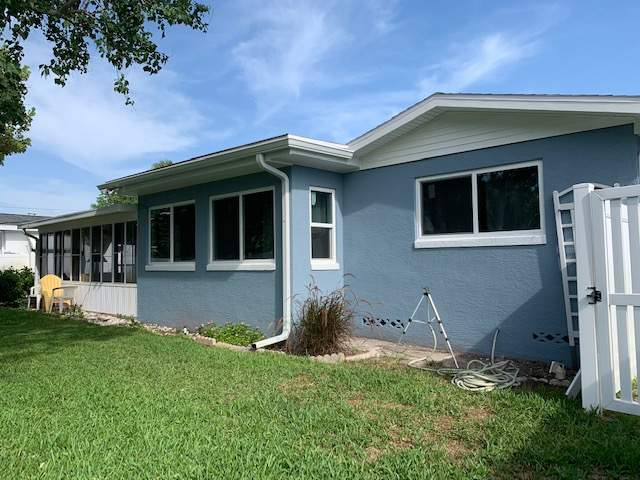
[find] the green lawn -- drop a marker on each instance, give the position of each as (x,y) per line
(83,401)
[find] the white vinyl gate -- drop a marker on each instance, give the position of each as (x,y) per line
(608,278)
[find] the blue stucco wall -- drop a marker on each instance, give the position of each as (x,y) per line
(516,289)
(193,298)
(301,179)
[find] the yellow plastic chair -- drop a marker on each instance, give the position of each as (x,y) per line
(52,291)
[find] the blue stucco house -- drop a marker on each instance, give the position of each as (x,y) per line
(454,194)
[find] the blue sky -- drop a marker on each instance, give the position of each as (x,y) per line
(324,69)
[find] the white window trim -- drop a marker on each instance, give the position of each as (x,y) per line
(171,265)
(242,264)
(477,238)
(324,263)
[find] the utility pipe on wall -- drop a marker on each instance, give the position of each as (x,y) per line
(286,259)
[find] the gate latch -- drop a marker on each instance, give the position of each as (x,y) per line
(595,296)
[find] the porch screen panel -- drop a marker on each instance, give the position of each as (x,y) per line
(51,249)
(118,252)
(42,254)
(66,255)
(58,253)
(75,255)
(130,252)
(107,253)
(85,255)
(96,257)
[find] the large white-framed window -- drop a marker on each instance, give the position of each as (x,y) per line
(485,207)
(242,230)
(172,237)
(322,232)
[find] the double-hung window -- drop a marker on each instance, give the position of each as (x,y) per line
(493,206)
(243,231)
(172,237)
(322,213)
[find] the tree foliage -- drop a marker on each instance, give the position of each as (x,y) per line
(119,31)
(161,164)
(107,198)
(15,117)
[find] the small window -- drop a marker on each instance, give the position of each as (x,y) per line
(226,228)
(509,200)
(172,236)
(258,225)
(497,206)
(323,228)
(447,206)
(243,232)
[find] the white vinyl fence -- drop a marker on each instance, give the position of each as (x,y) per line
(608,285)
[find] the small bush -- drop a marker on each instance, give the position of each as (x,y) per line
(233,333)
(15,285)
(324,322)
(74,312)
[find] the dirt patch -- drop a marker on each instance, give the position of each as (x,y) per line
(373,454)
(478,414)
(457,450)
(355,401)
(444,424)
(297,384)
(398,440)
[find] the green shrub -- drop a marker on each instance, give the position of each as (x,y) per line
(15,285)
(324,322)
(233,333)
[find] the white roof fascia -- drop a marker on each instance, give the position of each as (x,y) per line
(236,158)
(86,214)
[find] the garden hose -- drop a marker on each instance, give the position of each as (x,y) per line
(479,376)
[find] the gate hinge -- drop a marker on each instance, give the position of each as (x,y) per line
(595,296)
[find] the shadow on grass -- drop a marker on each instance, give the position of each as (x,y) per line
(26,334)
(564,441)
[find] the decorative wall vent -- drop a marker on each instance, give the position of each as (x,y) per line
(546,337)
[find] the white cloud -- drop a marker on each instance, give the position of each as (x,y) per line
(87,124)
(289,45)
(289,40)
(478,61)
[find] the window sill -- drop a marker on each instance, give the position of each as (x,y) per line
(449,241)
(171,267)
(325,266)
(231,265)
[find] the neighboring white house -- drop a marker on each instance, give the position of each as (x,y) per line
(16,246)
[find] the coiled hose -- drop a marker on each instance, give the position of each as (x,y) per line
(479,376)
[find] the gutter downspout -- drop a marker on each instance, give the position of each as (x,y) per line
(286,257)
(35,251)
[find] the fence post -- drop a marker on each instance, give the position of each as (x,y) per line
(586,311)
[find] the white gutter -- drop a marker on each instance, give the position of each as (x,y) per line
(286,257)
